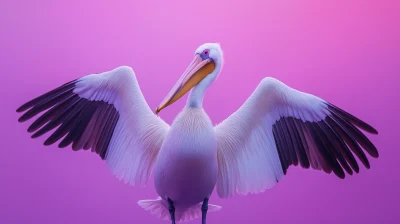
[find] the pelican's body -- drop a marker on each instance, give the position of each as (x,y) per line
(249,152)
(186,169)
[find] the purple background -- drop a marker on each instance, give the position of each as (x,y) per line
(346,52)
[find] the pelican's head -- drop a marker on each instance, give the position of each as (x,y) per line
(212,51)
(202,71)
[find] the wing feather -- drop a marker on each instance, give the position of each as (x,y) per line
(278,127)
(103,112)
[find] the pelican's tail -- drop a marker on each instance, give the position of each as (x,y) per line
(159,208)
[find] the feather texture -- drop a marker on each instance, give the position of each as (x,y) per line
(279,126)
(106,113)
(159,208)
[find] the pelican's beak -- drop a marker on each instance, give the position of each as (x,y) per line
(197,71)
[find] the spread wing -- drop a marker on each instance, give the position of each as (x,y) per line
(105,113)
(278,127)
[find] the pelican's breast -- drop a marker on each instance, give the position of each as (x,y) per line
(186,168)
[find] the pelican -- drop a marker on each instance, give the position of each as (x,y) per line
(249,152)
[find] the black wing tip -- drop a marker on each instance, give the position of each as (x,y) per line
(30,103)
(36,135)
(32,129)
(371,130)
(342,177)
(24,107)
(361,124)
(339,172)
(356,171)
(23,118)
(336,166)
(373,153)
(47,143)
(374,131)
(20,109)
(63,144)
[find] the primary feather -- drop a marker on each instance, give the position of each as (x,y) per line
(106,113)
(248,152)
(279,126)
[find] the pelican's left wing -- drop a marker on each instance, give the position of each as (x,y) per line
(106,113)
(279,126)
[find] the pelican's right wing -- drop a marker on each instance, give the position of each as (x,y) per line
(106,113)
(279,126)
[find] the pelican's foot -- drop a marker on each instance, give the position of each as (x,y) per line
(204,209)
(171,209)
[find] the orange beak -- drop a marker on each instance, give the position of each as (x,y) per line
(196,72)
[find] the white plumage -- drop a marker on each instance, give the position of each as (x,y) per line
(249,152)
(138,134)
(247,155)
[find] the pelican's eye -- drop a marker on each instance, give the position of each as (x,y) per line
(206,55)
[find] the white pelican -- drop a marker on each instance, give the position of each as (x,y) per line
(249,152)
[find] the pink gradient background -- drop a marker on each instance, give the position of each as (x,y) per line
(347,52)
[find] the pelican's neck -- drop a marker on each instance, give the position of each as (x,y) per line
(196,95)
